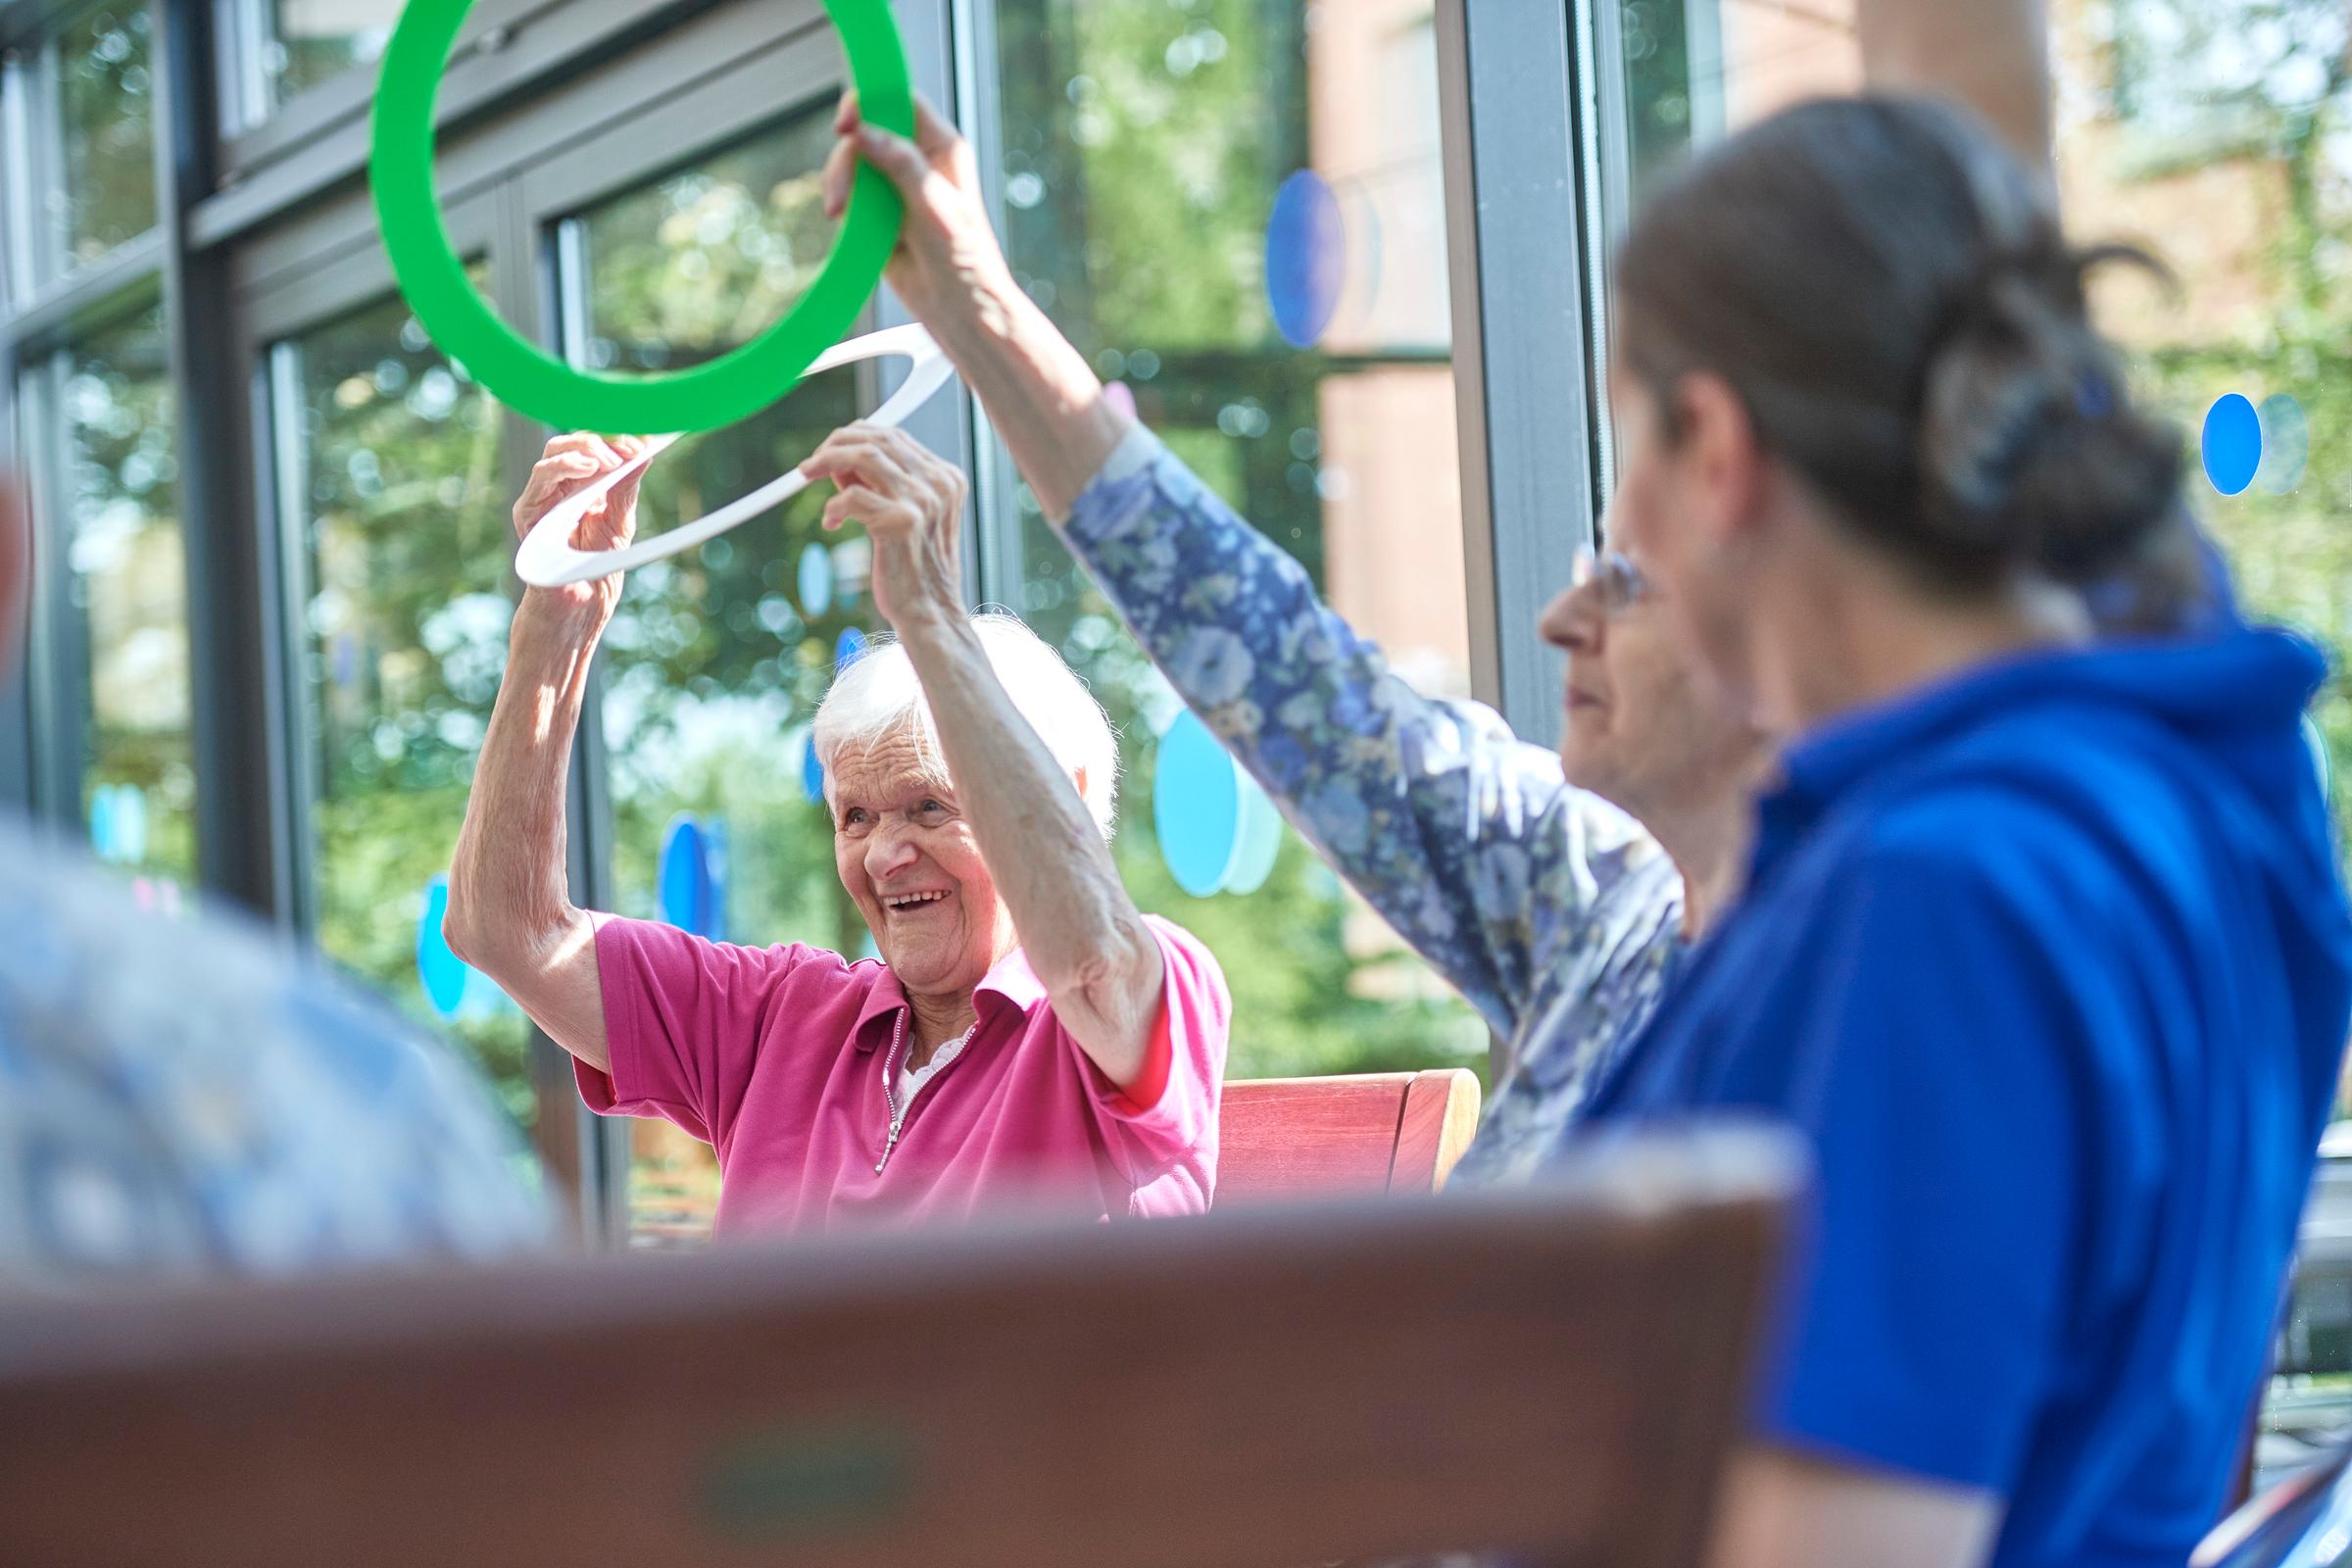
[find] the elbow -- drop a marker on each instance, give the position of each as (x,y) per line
(1115,976)
(462,930)
(495,941)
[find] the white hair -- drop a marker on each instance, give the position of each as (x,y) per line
(879,697)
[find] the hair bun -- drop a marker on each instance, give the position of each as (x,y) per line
(2028,448)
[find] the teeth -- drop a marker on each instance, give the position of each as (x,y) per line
(909,900)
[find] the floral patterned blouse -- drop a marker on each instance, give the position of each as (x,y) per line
(186,1096)
(1553,912)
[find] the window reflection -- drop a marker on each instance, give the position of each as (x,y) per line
(390,464)
(126,562)
(311,41)
(716,659)
(106,102)
(1237,209)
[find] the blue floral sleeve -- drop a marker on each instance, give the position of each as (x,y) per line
(1470,843)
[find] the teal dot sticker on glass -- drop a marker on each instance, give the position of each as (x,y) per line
(816,581)
(1258,841)
(2285,444)
(442,972)
(1196,807)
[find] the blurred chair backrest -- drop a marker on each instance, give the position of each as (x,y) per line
(2304,1521)
(1383,1131)
(1556,1371)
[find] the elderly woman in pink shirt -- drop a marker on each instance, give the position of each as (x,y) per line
(1027,1037)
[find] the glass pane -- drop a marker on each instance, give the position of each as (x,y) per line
(1154,156)
(716,659)
(106,101)
(311,40)
(2202,126)
(127,567)
(390,463)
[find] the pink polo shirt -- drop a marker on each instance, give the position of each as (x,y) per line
(775,1057)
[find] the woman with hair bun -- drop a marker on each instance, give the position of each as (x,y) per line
(2044,950)
(2043,945)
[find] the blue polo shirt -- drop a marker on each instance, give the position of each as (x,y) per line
(2052,966)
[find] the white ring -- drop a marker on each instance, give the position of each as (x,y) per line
(548,559)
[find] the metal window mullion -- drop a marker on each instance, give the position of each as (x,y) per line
(555,295)
(282,453)
(1519,233)
(46,238)
(61,666)
(998,563)
(246,822)
(16,719)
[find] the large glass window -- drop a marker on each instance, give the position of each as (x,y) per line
(2219,131)
(126,639)
(716,659)
(388,459)
(1236,207)
(106,103)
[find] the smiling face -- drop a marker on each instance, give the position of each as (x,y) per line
(906,855)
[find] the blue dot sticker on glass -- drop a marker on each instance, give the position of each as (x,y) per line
(2285,444)
(1196,807)
(816,581)
(2231,443)
(1307,258)
(442,972)
(692,881)
(812,772)
(850,648)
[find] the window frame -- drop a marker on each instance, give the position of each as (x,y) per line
(264,228)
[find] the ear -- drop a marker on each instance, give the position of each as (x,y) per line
(1723,458)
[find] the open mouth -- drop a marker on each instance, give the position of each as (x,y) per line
(899,903)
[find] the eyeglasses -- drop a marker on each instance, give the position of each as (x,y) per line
(1619,580)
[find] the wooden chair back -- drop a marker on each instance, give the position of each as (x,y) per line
(1387,1131)
(1556,1371)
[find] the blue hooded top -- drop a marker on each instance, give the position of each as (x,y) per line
(2052,966)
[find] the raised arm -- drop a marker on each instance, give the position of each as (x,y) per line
(1469,843)
(511,914)
(1080,931)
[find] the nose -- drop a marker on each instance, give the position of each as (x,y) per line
(1574,621)
(889,849)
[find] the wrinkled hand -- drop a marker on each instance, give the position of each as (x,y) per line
(912,506)
(948,268)
(569,465)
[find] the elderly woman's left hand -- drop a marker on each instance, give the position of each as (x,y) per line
(912,506)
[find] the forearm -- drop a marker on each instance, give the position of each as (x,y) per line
(1038,392)
(1994,56)
(1080,931)
(510,912)
(1469,843)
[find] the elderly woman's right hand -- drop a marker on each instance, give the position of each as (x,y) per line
(948,267)
(568,465)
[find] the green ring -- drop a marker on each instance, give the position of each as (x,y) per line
(400,168)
